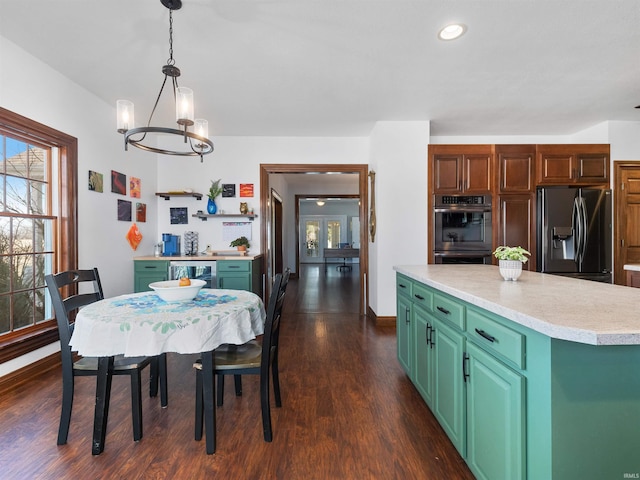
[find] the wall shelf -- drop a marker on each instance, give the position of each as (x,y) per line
(204,216)
(168,195)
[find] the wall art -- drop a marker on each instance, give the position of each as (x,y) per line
(141,212)
(118,183)
(229,190)
(178,215)
(124,210)
(134,187)
(95,181)
(246,189)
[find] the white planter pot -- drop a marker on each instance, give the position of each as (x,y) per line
(510,269)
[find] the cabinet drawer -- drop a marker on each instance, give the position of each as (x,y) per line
(448,310)
(151,266)
(422,296)
(404,286)
(243,266)
(496,337)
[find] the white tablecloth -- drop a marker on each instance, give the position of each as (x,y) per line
(143,324)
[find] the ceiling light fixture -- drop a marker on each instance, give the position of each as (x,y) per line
(451,32)
(320,203)
(199,143)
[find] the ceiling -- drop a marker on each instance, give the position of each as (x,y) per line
(335,67)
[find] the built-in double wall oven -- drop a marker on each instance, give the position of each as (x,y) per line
(462,229)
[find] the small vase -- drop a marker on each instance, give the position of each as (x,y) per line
(211,207)
(510,269)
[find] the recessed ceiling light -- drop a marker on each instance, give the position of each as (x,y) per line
(320,203)
(451,32)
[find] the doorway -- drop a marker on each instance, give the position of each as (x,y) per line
(360,170)
(626,236)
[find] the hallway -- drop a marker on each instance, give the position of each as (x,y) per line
(349,411)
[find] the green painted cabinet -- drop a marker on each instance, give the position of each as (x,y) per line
(423,353)
(240,275)
(403,327)
(495,417)
(449,388)
(149,271)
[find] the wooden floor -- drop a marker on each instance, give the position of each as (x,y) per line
(349,411)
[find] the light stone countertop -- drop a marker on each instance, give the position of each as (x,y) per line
(635,267)
(564,308)
(200,258)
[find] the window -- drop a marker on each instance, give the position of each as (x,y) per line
(38,190)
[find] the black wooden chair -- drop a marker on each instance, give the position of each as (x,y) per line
(65,309)
(251,358)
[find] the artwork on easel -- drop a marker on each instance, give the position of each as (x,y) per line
(118,183)
(124,210)
(134,187)
(95,181)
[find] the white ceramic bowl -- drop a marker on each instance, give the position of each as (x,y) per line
(170,291)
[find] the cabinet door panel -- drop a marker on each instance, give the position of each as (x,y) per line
(235,282)
(593,168)
(449,405)
(516,172)
(477,173)
(447,173)
(422,354)
(556,169)
(516,225)
(403,327)
(495,418)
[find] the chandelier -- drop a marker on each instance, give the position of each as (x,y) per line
(144,137)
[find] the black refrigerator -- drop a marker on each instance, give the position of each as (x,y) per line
(574,232)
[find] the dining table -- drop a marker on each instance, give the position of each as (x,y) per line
(144,324)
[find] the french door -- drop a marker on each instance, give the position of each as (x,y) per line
(318,232)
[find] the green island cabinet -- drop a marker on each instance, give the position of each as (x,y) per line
(240,275)
(518,404)
(149,271)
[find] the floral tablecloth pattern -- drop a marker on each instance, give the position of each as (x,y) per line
(144,324)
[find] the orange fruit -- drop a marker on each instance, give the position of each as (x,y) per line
(184,282)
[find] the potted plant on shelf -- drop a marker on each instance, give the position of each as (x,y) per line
(242,243)
(214,191)
(510,260)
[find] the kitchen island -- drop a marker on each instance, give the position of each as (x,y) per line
(538,378)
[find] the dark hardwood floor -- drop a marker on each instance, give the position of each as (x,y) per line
(349,411)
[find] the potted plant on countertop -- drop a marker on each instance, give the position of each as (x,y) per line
(214,191)
(510,260)
(242,243)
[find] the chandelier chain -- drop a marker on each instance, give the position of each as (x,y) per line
(171,61)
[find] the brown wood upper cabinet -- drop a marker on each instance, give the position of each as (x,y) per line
(573,164)
(461,168)
(516,168)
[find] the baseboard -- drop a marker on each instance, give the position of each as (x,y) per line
(23,375)
(380,321)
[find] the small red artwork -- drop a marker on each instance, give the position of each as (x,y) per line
(134,187)
(246,189)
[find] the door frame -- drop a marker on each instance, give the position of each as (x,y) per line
(265,212)
(619,166)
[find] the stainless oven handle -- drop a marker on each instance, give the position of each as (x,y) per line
(462,209)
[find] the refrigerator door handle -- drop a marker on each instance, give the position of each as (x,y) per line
(585,229)
(577,228)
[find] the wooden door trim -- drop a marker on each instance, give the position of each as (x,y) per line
(362,171)
(618,261)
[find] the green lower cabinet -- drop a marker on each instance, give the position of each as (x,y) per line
(403,332)
(449,393)
(240,275)
(423,353)
(149,271)
(495,418)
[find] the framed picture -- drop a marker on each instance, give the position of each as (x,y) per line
(246,189)
(118,183)
(134,187)
(141,212)
(229,190)
(124,210)
(178,216)
(95,181)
